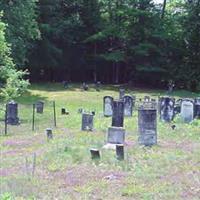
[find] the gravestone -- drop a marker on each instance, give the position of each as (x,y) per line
(49,133)
(108,106)
(39,107)
(121,93)
(128,105)
(177,107)
(87,122)
(147,98)
(197,108)
(95,154)
(85,87)
(12,113)
(116,135)
(166,108)
(98,85)
(147,125)
(120,151)
(118,114)
(187,110)
(65,84)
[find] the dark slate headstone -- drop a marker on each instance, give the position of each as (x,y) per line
(95,154)
(187,110)
(108,106)
(120,151)
(128,105)
(49,133)
(118,114)
(116,135)
(147,125)
(98,86)
(166,105)
(12,113)
(197,108)
(63,111)
(87,122)
(121,93)
(39,107)
(177,107)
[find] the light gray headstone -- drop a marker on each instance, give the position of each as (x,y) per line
(187,110)
(121,93)
(116,135)
(108,106)
(128,105)
(87,122)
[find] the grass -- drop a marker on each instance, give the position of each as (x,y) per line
(64,170)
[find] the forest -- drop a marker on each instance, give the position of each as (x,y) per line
(113,41)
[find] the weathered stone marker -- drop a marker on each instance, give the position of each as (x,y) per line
(147,125)
(63,111)
(120,151)
(118,114)
(95,154)
(98,86)
(197,108)
(187,110)
(121,93)
(87,122)
(166,108)
(116,135)
(12,113)
(39,107)
(49,133)
(147,98)
(128,105)
(108,106)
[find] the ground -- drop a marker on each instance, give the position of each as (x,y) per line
(63,168)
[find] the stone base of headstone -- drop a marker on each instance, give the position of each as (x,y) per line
(13,121)
(149,138)
(116,135)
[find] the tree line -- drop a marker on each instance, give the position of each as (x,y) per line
(112,41)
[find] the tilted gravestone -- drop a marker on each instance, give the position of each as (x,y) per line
(197,108)
(12,113)
(118,114)
(39,107)
(147,125)
(187,110)
(128,105)
(108,106)
(166,108)
(87,122)
(121,93)
(116,135)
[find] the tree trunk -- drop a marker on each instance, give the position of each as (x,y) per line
(163,9)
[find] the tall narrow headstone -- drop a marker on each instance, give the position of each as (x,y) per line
(121,93)
(147,125)
(98,85)
(12,113)
(197,108)
(118,114)
(87,122)
(187,110)
(128,105)
(108,106)
(166,109)
(177,106)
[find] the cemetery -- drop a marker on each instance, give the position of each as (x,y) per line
(135,145)
(99,100)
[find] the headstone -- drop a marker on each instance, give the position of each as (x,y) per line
(197,108)
(80,110)
(65,84)
(147,124)
(147,98)
(120,151)
(12,113)
(187,110)
(116,135)
(87,122)
(177,107)
(98,85)
(85,87)
(108,106)
(128,105)
(39,107)
(95,154)
(171,86)
(49,133)
(63,111)
(121,93)
(118,114)
(166,108)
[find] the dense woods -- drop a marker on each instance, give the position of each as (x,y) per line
(112,41)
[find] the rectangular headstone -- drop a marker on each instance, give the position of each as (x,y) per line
(108,106)
(147,125)
(87,122)
(187,110)
(12,113)
(118,114)
(128,105)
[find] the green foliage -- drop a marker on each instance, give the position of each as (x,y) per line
(11,79)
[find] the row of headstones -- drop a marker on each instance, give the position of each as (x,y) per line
(167,107)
